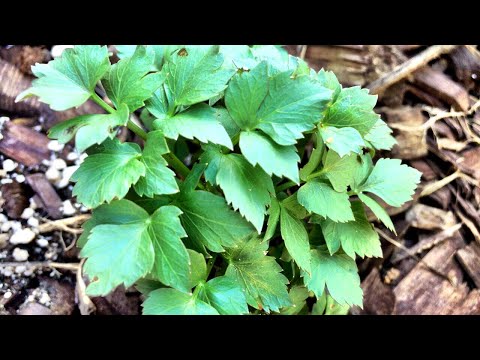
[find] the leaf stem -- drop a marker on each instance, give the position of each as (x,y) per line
(285,186)
(137,129)
(315,175)
(179,166)
(210,264)
(102,103)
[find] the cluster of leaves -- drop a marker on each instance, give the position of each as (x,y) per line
(258,223)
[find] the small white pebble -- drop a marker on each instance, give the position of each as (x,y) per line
(6,181)
(6,226)
(59,164)
(67,208)
(72,156)
(9,165)
(27,213)
(8,294)
(33,222)
(16,225)
(1,136)
(53,174)
(23,236)
(46,162)
(44,299)
(84,209)
(20,269)
(54,145)
(42,242)
(66,175)
(37,128)
(33,204)
(20,178)
(20,254)
(81,158)
(28,273)
(3,219)
(57,50)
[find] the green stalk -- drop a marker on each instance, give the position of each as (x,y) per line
(102,103)
(179,166)
(285,186)
(210,264)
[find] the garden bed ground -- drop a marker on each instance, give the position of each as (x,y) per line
(428,95)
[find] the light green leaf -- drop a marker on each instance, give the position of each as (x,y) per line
(338,273)
(258,274)
(273,218)
(340,171)
(296,240)
(356,237)
(330,81)
(362,171)
(273,158)
(174,302)
(158,179)
(108,173)
(246,187)
(70,80)
(225,295)
(353,108)
(298,295)
(199,121)
(89,129)
(226,120)
(291,107)
(334,308)
(198,268)
(129,81)
(380,136)
(342,140)
(208,220)
(244,95)
(319,307)
(378,210)
(294,207)
(159,50)
(393,182)
(321,199)
(238,56)
(171,265)
(195,74)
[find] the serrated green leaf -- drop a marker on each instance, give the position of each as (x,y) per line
(198,268)
(245,94)
(174,302)
(238,56)
(198,121)
(321,199)
(353,108)
(340,171)
(273,158)
(298,295)
(129,81)
(70,80)
(273,218)
(158,179)
(195,74)
(225,295)
(108,174)
(334,308)
(208,220)
(258,274)
(294,207)
(356,237)
(125,243)
(291,107)
(171,265)
(330,81)
(380,136)
(362,171)
(393,182)
(145,286)
(246,187)
(338,273)
(223,116)
(296,241)
(89,129)
(274,54)
(342,140)
(378,210)
(159,50)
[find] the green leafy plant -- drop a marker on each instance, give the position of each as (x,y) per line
(270,213)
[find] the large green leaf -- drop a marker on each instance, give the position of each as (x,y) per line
(199,121)
(70,80)
(338,273)
(321,199)
(108,173)
(298,296)
(195,74)
(356,237)
(208,220)
(342,140)
(158,179)
(273,158)
(380,136)
(340,171)
(174,302)
(125,243)
(89,129)
(353,108)
(244,95)
(225,295)
(258,274)
(291,107)
(296,240)
(129,81)
(378,210)
(393,182)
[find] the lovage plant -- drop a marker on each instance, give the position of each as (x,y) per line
(270,213)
